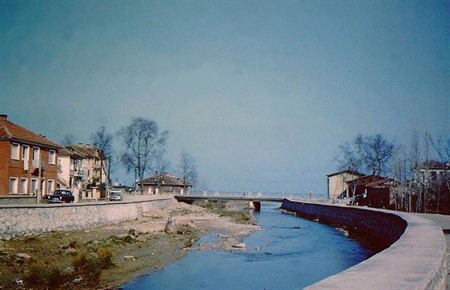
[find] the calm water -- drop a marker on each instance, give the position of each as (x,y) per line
(289,253)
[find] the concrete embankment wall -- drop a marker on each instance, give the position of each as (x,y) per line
(18,220)
(415,248)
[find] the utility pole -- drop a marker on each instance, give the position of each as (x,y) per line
(39,192)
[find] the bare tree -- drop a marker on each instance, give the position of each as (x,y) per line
(143,141)
(351,155)
(162,164)
(442,148)
(425,167)
(188,168)
(414,167)
(377,153)
(67,140)
(103,141)
(372,153)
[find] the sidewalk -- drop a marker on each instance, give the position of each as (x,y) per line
(444,222)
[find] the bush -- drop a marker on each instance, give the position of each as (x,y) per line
(56,276)
(87,265)
(37,275)
(105,256)
(46,276)
(90,265)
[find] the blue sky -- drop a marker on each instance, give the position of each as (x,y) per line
(260,93)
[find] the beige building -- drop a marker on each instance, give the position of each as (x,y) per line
(93,163)
(82,168)
(337,183)
(165,184)
(70,172)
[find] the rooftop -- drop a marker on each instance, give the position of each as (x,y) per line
(13,132)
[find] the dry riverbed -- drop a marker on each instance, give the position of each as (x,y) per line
(107,257)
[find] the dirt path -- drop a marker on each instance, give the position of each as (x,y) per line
(127,250)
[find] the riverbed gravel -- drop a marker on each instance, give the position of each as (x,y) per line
(131,248)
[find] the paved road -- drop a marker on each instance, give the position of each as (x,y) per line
(444,222)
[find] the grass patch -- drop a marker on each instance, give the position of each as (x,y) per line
(221,208)
(47,276)
(85,265)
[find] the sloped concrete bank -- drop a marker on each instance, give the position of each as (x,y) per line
(415,248)
(18,220)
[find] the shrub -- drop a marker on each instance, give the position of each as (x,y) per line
(87,264)
(44,276)
(105,256)
(37,274)
(56,276)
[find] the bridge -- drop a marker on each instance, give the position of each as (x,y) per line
(254,200)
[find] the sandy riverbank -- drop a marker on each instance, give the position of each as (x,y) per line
(136,247)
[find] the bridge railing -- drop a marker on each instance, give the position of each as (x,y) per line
(249,194)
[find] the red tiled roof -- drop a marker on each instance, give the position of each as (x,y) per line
(380,182)
(164,179)
(14,132)
(85,150)
(348,171)
(433,164)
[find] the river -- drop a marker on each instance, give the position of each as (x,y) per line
(288,253)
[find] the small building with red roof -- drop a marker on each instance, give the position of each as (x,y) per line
(164,184)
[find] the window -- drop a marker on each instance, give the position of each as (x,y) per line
(50,186)
(13,185)
(25,152)
(23,186)
(15,151)
(52,157)
(34,186)
(35,156)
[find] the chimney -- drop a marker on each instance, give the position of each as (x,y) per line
(4,117)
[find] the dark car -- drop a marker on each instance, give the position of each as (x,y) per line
(60,196)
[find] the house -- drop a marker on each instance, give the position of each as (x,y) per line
(92,162)
(338,183)
(83,167)
(165,184)
(372,190)
(379,194)
(70,171)
(28,161)
(359,185)
(433,173)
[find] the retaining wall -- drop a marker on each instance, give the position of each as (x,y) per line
(18,220)
(17,199)
(414,255)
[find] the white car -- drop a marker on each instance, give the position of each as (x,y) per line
(115,195)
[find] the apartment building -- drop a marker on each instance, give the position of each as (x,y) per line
(28,161)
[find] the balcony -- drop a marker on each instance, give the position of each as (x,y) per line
(78,172)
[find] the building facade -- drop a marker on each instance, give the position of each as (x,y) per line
(71,174)
(338,183)
(164,184)
(88,162)
(82,168)
(28,161)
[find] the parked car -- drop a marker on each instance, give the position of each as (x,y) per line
(115,195)
(60,196)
